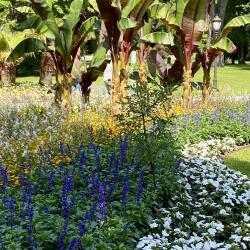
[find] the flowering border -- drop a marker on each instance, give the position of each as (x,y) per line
(211,210)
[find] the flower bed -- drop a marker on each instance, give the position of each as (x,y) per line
(212,210)
(51,207)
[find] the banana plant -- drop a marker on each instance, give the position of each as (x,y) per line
(207,54)
(93,71)
(188,20)
(8,41)
(67,35)
(122,20)
(9,38)
(170,75)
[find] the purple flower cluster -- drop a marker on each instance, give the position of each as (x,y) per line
(90,184)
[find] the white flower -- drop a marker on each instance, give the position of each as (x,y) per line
(235,238)
(167,222)
(223,212)
(179,215)
(153,225)
(193,218)
(164,233)
(212,231)
(246,217)
(199,246)
(211,191)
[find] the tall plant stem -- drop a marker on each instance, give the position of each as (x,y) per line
(152,167)
(187,90)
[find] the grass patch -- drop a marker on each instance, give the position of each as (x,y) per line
(239,160)
(34,80)
(232,79)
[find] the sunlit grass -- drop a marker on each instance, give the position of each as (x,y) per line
(232,79)
(239,160)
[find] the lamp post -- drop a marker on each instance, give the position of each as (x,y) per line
(216,29)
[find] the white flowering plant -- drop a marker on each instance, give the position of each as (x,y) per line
(211,149)
(212,208)
(211,211)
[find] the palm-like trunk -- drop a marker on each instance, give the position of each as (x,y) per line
(63,92)
(116,88)
(206,85)
(120,83)
(187,89)
(143,71)
(8,73)
(143,74)
(47,68)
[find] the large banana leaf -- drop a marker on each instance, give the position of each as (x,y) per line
(234,23)
(126,23)
(42,8)
(99,57)
(29,45)
(163,38)
(188,18)
(4,45)
(111,15)
(35,22)
(137,11)
(67,30)
(224,45)
(167,13)
(129,7)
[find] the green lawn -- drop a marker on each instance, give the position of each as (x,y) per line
(33,80)
(232,79)
(239,160)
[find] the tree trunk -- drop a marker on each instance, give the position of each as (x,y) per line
(120,83)
(85,88)
(116,88)
(143,74)
(205,86)
(187,89)
(47,68)
(8,74)
(86,96)
(63,91)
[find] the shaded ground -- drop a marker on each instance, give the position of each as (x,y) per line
(239,160)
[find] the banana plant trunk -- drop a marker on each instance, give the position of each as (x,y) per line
(8,74)
(47,69)
(85,89)
(187,88)
(143,74)
(63,91)
(205,86)
(120,83)
(143,70)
